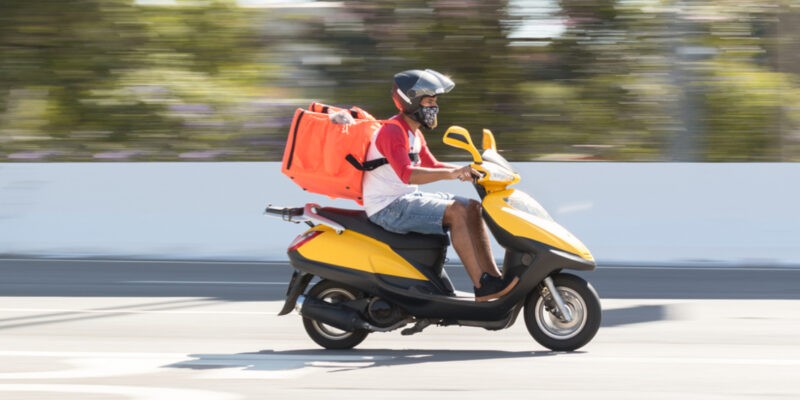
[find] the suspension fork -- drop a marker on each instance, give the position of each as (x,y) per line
(562,311)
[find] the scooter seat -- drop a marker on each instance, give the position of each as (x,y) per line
(357,221)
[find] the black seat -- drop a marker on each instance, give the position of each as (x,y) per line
(357,220)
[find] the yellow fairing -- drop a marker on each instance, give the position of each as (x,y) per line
(522,224)
(356,251)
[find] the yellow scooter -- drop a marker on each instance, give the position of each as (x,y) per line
(372,280)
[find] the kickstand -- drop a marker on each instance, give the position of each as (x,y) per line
(417,328)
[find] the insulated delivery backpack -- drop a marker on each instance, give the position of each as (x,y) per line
(328,158)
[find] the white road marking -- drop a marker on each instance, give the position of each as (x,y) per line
(228,366)
(130,392)
(721,267)
(776,362)
(205,283)
(680,268)
(114,261)
(93,366)
(126,311)
(112,354)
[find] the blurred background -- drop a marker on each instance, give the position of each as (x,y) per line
(194,80)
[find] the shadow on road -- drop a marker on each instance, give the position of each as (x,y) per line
(346,360)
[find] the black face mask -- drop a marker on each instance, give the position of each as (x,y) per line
(427,116)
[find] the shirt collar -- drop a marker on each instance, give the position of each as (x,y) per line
(399,118)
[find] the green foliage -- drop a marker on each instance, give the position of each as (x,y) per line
(642,80)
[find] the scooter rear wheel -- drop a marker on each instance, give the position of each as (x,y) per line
(326,335)
(553,332)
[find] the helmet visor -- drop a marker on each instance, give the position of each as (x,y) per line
(431,83)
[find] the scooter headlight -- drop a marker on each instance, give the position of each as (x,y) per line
(501,175)
(498,173)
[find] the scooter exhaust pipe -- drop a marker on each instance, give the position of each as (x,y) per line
(330,314)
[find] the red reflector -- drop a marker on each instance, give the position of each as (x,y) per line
(303,239)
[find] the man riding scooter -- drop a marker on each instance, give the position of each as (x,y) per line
(393,200)
(381,269)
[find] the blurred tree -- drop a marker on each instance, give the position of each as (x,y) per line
(689,80)
(112,76)
(464,39)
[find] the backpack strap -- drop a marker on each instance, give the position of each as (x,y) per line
(366,165)
(379,162)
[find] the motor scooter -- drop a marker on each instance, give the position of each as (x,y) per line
(372,280)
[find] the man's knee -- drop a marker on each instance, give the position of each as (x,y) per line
(455,213)
(473,208)
(461,213)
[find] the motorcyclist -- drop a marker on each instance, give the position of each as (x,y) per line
(391,195)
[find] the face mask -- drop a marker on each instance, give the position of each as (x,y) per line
(428,116)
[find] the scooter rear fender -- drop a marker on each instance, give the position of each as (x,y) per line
(297,285)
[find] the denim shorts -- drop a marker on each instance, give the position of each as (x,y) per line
(419,212)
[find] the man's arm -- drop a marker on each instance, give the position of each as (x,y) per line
(431,169)
(392,143)
(428,159)
(423,175)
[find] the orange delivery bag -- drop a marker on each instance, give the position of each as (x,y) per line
(327,158)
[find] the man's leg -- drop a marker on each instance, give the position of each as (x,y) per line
(456,216)
(480,239)
(471,242)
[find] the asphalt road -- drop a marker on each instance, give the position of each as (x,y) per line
(93,329)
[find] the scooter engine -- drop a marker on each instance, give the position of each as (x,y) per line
(382,313)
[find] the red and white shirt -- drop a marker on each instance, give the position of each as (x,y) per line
(388,182)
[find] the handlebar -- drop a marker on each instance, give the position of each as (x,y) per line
(479,175)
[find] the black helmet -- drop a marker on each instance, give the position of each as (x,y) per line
(412,85)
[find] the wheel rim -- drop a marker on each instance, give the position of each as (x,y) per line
(554,327)
(333,295)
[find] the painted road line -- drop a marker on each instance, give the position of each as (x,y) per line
(127,392)
(201,283)
(133,311)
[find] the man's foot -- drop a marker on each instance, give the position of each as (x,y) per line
(493,287)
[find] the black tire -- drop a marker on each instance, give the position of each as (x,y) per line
(326,335)
(550,331)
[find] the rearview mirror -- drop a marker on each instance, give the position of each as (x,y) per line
(458,137)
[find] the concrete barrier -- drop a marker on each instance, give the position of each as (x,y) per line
(646,213)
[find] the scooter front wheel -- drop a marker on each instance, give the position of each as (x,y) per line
(325,335)
(552,330)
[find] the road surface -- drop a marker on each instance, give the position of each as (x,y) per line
(145,330)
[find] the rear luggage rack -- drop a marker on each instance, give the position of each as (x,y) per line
(306,214)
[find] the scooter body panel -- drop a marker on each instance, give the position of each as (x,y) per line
(424,298)
(355,251)
(533,223)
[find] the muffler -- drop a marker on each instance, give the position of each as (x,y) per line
(334,315)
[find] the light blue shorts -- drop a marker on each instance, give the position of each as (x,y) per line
(419,212)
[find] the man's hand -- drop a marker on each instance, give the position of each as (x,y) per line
(465,173)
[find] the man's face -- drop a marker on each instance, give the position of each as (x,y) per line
(428,101)
(429,114)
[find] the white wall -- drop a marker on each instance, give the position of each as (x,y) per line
(653,213)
